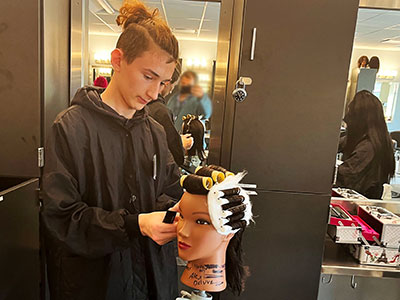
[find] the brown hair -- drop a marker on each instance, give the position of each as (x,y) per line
(177,72)
(142,27)
(190,74)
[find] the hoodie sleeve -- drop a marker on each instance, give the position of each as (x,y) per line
(161,113)
(87,231)
(172,190)
(351,170)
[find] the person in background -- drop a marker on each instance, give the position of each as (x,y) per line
(190,99)
(159,111)
(195,156)
(109,177)
(101,82)
(374,63)
(368,159)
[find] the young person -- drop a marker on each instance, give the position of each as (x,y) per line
(108,175)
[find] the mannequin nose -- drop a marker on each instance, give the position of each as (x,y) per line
(183,229)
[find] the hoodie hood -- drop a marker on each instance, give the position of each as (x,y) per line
(89,98)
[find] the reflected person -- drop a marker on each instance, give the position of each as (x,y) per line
(190,99)
(368,159)
(158,110)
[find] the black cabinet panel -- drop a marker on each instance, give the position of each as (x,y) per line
(19,87)
(19,241)
(284,247)
(286,131)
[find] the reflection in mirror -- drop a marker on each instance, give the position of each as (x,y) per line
(195,25)
(375,66)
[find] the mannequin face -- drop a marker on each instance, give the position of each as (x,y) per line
(197,237)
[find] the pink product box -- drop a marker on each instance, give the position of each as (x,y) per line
(343,229)
(384,222)
(376,255)
(367,231)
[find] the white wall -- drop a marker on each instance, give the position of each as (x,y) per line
(101,43)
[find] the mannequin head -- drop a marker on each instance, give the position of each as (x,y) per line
(362,61)
(214,256)
(196,231)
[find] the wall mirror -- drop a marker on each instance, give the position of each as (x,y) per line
(378,34)
(194,23)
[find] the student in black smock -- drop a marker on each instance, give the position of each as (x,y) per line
(158,110)
(109,176)
(368,160)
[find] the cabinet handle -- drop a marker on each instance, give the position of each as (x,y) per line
(253,43)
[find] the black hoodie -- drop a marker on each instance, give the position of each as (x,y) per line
(101,171)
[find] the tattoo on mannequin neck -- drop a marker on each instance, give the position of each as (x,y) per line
(207,274)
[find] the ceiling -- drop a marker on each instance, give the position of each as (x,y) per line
(189,20)
(378,29)
(199,20)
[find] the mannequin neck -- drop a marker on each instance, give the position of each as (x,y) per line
(206,274)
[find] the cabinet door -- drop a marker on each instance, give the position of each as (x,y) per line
(19,242)
(34,79)
(19,88)
(286,132)
(284,248)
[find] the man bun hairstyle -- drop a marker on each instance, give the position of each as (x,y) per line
(143,27)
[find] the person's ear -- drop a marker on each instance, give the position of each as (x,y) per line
(116,59)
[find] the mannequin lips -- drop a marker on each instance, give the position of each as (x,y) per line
(183,246)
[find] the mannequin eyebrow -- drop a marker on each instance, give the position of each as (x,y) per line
(200,213)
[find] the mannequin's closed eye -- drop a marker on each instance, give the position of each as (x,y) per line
(202,222)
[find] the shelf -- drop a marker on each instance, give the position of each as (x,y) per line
(338,261)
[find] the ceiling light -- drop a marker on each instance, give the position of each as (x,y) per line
(183,30)
(387,74)
(106,6)
(390,41)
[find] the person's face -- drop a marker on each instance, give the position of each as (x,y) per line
(185,84)
(141,81)
(197,237)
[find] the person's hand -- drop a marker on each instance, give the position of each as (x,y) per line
(197,91)
(151,225)
(187,141)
